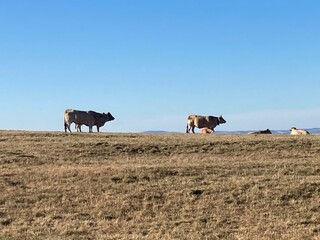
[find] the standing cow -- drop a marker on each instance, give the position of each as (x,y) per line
(203,122)
(88,118)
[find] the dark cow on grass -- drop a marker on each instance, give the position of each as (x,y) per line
(267,131)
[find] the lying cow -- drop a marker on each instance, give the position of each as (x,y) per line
(203,122)
(295,131)
(88,118)
(206,131)
(267,131)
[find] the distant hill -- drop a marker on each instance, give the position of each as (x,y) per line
(310,130)
(156,131)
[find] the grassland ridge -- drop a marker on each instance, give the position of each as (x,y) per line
(158,186)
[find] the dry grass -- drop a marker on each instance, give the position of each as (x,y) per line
(175,186)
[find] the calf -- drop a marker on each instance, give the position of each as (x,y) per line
(206,131)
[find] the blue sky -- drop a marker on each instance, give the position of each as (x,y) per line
(152,63)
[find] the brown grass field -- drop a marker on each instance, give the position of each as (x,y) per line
(158,186)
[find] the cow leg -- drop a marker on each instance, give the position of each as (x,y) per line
(97,129)
(193,129)
(67,126)
(90,129)
(189,127)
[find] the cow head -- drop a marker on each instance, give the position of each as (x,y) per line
(221,120)
(107,117)
(268,131)
(104,118)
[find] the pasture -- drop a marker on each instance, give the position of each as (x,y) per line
(167,186)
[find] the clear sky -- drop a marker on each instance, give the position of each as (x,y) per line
(152,63)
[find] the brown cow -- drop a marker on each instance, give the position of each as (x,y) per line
(88,118)
(203,122)
(206,131)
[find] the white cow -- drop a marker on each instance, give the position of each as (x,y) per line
(295,131)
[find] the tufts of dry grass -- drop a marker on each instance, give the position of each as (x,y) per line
(168,186)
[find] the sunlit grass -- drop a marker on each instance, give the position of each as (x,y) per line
(168,186)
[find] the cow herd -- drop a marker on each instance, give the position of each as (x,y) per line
(205,123)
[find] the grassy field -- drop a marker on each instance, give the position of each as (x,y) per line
(166,186)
